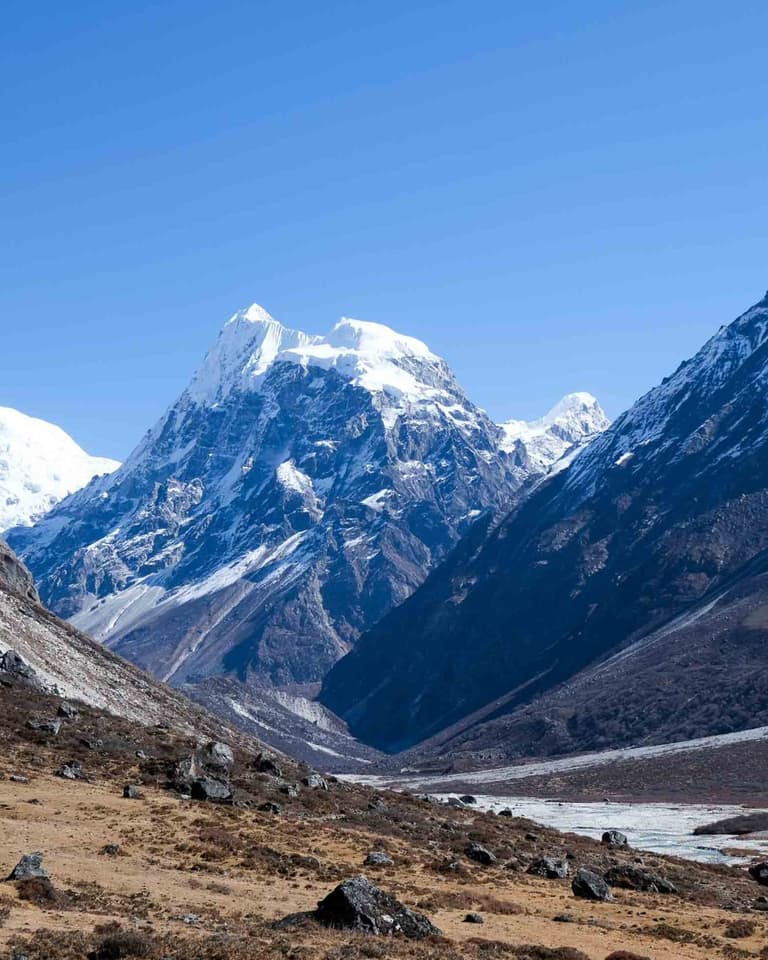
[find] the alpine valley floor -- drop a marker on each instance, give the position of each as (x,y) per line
(201,881)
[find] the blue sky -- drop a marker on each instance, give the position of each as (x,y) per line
(555,196)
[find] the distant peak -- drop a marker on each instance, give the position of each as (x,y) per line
(573,419)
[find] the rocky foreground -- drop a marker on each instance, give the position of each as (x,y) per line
(122,840)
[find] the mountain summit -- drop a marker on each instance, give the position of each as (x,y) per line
(299,489)
(622,602)
(39,465)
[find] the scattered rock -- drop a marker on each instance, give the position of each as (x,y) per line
(468,799)
(549,867)
(111,849)
(377,804)
(92,743)
(564,918)
(315,782)
(358,904)
(141,755)
(615,838)
(289,789)
(269,807)
(377,858)
(30,865)
(17,778)
(632,878)
(759,872)
(474,918)
(71,771)
(506,812)
(67,711)
(589,886)
(211,789)
(13,669)
(266,763)
(48,727)
(131,792)
(479,854)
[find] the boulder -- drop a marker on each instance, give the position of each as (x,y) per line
(211,789)
(315,782)
(468,800)
(269,807)
(552,868)
(759,872)
(479,853)
(589,886)
(615,838)
(506,812)
(217,759)
(266,763)
(632,878)
(474,918)
(67,711)
(290,790)
(48,727)
(377,858)
(71,771)
(15,670)
(131,792)
(358,904)
(30,865)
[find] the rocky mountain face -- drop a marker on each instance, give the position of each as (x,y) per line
(623,601)
(39,466)
(299,489)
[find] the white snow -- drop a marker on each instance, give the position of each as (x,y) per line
(39,465)
(574,419)
(396,368)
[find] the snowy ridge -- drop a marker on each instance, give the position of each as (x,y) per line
(39,465)
(298,489)
(575,419)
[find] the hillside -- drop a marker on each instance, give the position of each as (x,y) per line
(634,576)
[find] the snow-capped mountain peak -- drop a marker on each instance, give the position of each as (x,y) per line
(575,419)
(40,464)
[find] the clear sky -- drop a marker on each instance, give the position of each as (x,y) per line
(556,196)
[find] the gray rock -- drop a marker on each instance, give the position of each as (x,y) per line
(589,886)
(506,812)
(47,727)
(552,868)
(377,858)
(289,789)
(30,865)
(17,778)
(269,807)
(358,904)
(71,771)
(14,670)
(315,782)
(615,838)
(759,872)
(111,849)
(212,790)
(474,918)
(632,878)
(131,792)
(480,854)
(468,799)
(67,711)
(266,763)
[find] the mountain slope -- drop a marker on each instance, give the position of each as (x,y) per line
(659,514)
(299,488)
(39,465)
